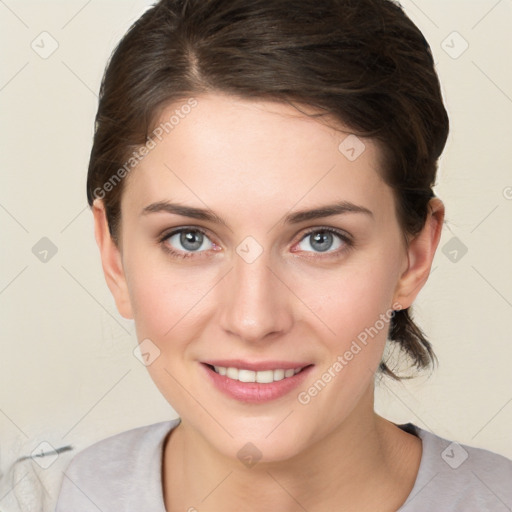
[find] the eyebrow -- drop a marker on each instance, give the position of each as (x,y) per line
(329,210)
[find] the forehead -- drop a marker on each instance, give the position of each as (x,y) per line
(226,148)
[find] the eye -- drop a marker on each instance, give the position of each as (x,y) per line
(324,240)
(184,242)
(187,242)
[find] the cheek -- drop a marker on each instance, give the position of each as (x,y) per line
(356,306)
(166,300)
(353,300)
(168,310)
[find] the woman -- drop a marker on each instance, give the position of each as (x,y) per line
(261,183)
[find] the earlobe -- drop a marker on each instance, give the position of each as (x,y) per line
(111,261)
(420,253)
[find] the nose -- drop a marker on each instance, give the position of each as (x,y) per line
(256,304)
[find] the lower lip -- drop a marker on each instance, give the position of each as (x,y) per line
(254,392)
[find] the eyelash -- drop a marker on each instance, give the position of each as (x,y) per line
(347,241)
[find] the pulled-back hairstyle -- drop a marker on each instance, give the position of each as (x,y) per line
(362,62)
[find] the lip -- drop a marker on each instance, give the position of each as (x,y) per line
(254,392)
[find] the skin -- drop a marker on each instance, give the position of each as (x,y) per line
(253,163)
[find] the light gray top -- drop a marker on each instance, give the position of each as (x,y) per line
(123,473)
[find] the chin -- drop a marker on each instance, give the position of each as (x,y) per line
(265,440)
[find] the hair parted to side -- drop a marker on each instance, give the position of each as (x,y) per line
(362,62)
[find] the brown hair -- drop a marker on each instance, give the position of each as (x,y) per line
(363,62)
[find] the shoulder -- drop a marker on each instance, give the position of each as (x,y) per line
(116,471)
(113,453)
(456,477)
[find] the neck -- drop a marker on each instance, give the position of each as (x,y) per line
(367,463)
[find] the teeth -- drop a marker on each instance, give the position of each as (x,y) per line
(246,376)
(265,376)
(278,374)
(232,373)
(262,377)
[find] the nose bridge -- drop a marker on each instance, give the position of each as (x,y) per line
(255,303)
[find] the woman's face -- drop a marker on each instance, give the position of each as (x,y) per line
(255,282)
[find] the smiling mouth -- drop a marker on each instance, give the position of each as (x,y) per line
(260,376)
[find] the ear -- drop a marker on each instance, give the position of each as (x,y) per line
(420,254)
(111,261)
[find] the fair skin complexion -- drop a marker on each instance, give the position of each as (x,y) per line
(253,163)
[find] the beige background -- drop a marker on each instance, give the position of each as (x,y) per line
(67,371)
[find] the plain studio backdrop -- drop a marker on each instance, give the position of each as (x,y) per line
(68,374)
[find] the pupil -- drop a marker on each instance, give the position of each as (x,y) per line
(321,238)
(187,240)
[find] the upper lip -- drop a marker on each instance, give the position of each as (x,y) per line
(256,366)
